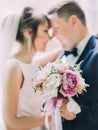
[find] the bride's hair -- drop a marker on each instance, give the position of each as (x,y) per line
(12,26)
(30,19)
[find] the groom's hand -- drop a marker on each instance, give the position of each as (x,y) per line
(65,113)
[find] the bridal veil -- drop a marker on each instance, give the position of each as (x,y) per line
(9,23)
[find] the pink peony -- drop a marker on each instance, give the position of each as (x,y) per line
(70,83)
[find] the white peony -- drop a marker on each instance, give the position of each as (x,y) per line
(50,86)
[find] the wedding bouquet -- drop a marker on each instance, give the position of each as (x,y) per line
(56,81)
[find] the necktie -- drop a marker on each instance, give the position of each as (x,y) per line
(73,52)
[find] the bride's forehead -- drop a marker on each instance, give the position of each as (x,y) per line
(44,25)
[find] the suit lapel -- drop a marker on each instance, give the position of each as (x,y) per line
(87,51)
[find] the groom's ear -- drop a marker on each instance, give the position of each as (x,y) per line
(73,19)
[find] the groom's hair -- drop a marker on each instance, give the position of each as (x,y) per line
(66,9)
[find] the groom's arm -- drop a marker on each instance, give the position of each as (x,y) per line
(89,115)
(89,112)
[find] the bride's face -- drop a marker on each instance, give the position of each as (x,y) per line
(42,37)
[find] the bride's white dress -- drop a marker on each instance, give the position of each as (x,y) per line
(29,100)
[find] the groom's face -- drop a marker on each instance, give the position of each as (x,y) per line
(62,29)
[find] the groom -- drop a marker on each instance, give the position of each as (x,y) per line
(69,24)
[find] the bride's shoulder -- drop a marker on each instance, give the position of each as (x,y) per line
(12,65)
(12,71)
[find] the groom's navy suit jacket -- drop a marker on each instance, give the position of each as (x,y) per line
(87,119)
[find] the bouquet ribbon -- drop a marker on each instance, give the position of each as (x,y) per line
(51,108)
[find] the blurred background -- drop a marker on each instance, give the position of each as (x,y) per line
(89,6)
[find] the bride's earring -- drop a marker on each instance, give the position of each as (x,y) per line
(29,44)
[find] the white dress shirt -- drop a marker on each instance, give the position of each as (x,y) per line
(71,59)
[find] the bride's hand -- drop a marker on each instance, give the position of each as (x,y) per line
(42,59)
(65,113)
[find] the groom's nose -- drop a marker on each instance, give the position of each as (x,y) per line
(50,32)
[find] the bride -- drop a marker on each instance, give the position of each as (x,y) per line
(20,104)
